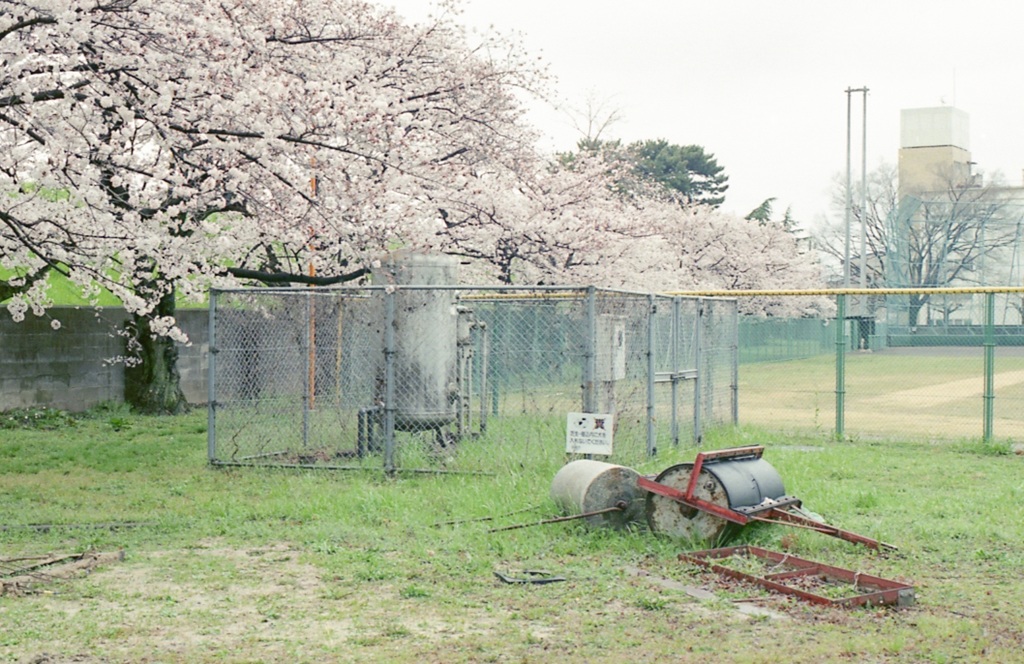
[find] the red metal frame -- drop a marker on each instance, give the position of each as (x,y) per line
(773,515)
(756,451)
(880,591)
(789,518)
(697,503)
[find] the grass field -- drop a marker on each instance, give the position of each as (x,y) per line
(889,394)
(253,565)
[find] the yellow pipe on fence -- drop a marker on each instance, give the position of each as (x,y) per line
(848,291)
(781,292)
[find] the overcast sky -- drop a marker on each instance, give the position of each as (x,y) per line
(761,83)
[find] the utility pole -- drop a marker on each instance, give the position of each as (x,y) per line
(849,189)
(863,199)
(849,195)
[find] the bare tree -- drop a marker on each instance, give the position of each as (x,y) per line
(926,239)
(594,119)
(880,203)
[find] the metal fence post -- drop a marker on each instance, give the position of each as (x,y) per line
(307,388)
(840,365)
(485,375)
(990,362)
(211,383)
(735,363)
(675,368)
(389,381)
(497,367)
(698,381)
(590,355)
(652,312)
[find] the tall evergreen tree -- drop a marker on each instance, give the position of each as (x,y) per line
(685,170)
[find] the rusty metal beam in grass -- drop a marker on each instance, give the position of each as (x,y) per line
(800,578)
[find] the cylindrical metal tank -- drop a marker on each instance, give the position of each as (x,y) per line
(426,332)
(670,517)
(748,482)
(585,485)
(727,484)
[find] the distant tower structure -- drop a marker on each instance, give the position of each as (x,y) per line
(934,150)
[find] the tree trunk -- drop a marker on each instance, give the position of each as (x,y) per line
(916,304)
(152,386)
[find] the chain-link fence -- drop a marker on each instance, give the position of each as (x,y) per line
(877,375)
(445,378)
(467,379)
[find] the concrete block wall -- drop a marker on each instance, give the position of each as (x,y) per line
(74,368)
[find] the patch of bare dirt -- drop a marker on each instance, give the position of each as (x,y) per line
(22,576)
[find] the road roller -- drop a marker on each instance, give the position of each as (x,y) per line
(604,494)
(699,501)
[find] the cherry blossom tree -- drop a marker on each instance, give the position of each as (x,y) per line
(701,248)
(550,224)
(576,227)
(157,149)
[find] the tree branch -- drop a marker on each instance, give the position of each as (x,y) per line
(28,23)
(48,95)
(7,290)
(286,278)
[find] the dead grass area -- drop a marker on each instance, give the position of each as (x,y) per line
(888,394)
(215,602)
(27,575)
(243,566)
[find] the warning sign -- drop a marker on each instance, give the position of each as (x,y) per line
(589,433)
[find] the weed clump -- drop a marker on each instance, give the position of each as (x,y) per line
(38,418)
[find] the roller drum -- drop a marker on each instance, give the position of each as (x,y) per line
(585,486)
(727,484)
(674,519)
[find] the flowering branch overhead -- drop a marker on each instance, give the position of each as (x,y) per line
(151,147)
